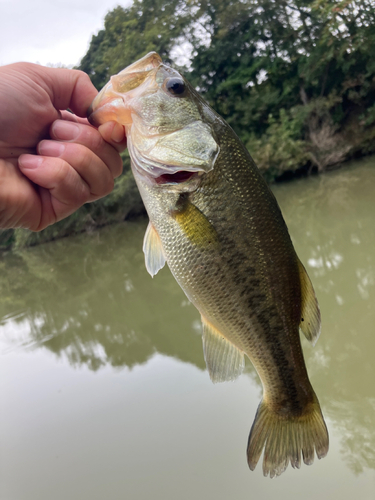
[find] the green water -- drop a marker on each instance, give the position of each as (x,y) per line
(103,388)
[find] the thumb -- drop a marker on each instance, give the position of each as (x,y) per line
(67,88)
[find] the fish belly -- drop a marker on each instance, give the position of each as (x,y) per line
(229,249)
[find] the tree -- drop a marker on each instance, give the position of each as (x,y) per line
(130,33)
(301,69)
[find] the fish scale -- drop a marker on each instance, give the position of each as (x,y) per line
(222,234)
(213,294)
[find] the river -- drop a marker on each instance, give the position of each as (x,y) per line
(103,387)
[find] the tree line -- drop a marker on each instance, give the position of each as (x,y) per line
(294,78)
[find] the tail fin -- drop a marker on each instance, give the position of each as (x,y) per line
(285,437)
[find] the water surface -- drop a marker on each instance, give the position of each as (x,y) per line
(103,387)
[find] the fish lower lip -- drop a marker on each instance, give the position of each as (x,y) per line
(176,178)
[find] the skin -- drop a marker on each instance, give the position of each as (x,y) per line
(224,238)
(51,161)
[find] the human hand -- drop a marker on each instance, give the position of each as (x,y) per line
(51,161)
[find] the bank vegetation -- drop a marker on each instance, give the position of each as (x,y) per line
(294,78)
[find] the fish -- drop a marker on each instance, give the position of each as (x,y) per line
(217,225)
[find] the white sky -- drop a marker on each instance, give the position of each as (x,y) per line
(50,31)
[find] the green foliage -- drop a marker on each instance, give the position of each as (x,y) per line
(279,150)
(6,239)
(294,78)
(254,60)
(289,76)
(130,33)
(268,55)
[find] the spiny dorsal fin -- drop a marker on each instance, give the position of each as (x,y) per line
(310,313)
(154,255)
(223,359)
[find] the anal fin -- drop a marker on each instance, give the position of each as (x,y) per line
(153,250)
(223,359)
(310,313)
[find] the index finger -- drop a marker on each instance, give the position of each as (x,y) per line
(112,132)
(71,117)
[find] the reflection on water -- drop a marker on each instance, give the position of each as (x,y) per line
(332,222)
(90,301)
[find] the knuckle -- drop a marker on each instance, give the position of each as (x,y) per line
(106,185)
(82,192)
(79,192)
(81,74)
(80,157)
(76,190)
(61,172)
(117,171)
(83,158)
(93,139)
(110,184)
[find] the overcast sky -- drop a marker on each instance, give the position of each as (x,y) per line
(50,31)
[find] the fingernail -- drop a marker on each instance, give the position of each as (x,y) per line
(117,133)
(65,131)
(51,148)
(30,161)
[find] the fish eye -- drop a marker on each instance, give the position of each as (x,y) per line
(176,87)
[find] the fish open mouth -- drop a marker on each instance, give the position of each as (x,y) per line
(176,178)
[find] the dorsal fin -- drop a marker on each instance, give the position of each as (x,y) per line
(223,359)
(153,250)
(310,313)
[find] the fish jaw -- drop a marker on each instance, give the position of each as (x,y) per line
(172,152)
(113,102)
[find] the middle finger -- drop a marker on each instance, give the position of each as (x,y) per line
(88,136)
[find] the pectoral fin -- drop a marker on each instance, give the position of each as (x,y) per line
(195,225)
(223,359)
(153,250)
(310,313)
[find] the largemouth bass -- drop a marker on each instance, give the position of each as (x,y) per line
(215,222)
